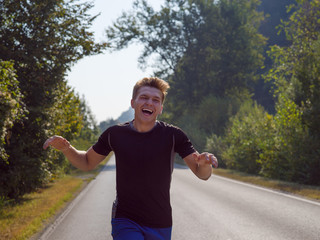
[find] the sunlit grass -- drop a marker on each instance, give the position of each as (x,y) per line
(306,191)
(25,218)
(22,220)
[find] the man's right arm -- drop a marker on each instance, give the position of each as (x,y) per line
(84,160)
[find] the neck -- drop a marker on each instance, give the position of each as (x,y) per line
(143,127)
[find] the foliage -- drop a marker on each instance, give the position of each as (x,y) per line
(275,11)
(107,123)
(283,155)
(125,116)
(43,38)
(161,33)
(12,108)
(296,74)
(217,145)
(68,115)
(68,120)
(213,113)
(191,127)
(224,54)
(211,53)
(249,130)
(284,146)
(29,167)
(218,42)
(89,131)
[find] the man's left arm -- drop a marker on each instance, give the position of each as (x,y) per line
(201,164)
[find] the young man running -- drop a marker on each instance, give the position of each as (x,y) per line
(144,149)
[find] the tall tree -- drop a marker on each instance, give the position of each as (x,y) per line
(12,108)
(296,74)
(225,53)
(90,130)
(161,33)
(275,12)
(43,38)
(202,47)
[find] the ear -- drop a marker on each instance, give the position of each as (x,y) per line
(132,103)
(161,109)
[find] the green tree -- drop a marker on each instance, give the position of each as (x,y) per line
(161,33)
(275,12)
(89,131)
(68,119)
(107,123)
(225,53)
(43,39)
(248,132)
(284,152)
(203,48)
(12,108)
(296,74)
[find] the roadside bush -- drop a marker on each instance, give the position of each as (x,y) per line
(188,123)
(295,155)
(11,105)
(217,145)
(284,156)
(245,138)
(213,113)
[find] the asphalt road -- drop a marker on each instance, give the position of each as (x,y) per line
(219,209)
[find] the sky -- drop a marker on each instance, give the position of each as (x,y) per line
(106,80)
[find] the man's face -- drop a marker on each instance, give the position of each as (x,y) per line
(147,104)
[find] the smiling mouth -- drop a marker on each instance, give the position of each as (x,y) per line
(147,111)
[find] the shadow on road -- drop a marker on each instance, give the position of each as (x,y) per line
(180,166)
(112,167)
(109,167)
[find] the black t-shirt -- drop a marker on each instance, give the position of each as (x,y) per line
(144,164)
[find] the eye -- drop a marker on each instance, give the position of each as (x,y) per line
(143,97)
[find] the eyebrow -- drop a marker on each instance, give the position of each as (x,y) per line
(146,95)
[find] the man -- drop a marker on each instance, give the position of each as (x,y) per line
(144,149)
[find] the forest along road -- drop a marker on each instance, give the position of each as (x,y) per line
(215,209)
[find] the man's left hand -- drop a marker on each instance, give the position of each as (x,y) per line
(205,159)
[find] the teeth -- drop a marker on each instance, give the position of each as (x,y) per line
(147,110)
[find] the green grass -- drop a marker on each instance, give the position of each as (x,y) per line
(21,220)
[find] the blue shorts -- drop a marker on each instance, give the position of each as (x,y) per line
(126,229)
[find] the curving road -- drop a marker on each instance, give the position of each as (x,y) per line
(217,209)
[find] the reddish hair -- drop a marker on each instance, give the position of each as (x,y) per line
(155,82)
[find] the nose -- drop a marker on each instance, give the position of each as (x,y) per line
(149,101)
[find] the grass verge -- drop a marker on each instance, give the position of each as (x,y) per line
(22,220)
(306,191)
(27,217)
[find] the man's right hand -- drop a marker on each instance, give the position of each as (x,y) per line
(57,142)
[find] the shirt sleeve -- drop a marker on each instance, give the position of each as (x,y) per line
(182,145)
(102,146)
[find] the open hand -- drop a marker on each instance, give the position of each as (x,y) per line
(57,142)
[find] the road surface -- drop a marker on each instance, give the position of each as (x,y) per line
(217,209)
